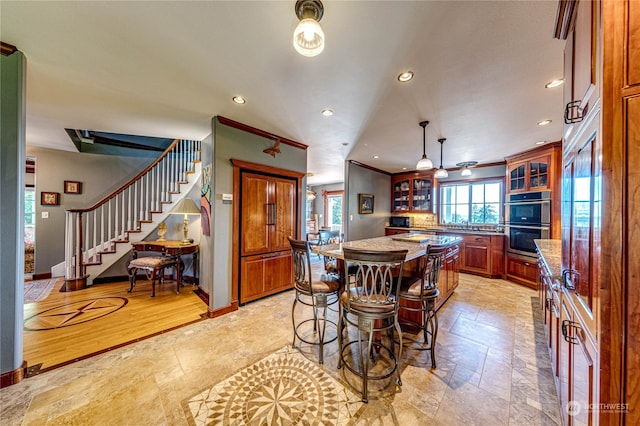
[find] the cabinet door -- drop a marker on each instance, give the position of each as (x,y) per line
(421,195)
(522,270)
(477,254)
(400,194)
(254,213)
(539,173)
(517,177)
(251,278)
(280,272)
(284,225)
(584,53)
(581,241)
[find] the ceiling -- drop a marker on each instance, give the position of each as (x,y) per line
(166,68)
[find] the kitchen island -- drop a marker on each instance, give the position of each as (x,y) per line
(416,244)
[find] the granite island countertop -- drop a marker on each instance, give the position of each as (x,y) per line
(443,230)
(551,254)
(415,248)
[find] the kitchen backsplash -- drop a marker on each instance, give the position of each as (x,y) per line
(423,220)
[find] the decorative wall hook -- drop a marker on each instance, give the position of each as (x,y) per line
(275,149)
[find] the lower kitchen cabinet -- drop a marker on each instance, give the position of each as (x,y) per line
(522,270)
(263,275)
(481,254)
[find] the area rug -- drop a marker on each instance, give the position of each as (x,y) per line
(35,291)
(282,389)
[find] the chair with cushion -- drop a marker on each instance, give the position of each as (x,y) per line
(154,267)
(421,293)
(320,238)
(317,294)
(370,304)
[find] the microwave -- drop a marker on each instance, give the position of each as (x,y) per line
(400,221)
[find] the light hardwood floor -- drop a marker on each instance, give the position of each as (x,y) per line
(66,327)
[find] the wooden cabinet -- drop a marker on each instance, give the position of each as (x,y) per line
(268,215)
(522,270)
(412,192)
(449,275)
(481,254)
(534,170)
(393,231)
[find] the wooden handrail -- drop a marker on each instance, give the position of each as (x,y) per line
(129,183)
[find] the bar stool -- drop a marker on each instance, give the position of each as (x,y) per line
(423,289)
(370,303)
(316,294)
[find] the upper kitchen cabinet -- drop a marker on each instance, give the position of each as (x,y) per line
(412,192)
(534,170)
(580,65)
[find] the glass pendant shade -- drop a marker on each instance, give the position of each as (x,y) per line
(308,38)
(466,172)
(424,163)
(441,173)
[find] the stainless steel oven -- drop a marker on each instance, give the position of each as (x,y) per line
(521,238)
(528,219)
(529,208)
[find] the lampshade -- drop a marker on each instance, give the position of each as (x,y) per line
(424,163)
(308,37)
(466,165)
(442,172)
(185,206)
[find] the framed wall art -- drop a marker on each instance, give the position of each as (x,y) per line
(365,203)
(72,187)
(50,198)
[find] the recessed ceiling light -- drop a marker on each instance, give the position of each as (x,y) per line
(405,76)
(327,112)
(239,100)
(541,142)
(376,156)
(404,168)
(554,83)
(544,122)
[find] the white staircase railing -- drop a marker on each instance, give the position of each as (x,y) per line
(92,232)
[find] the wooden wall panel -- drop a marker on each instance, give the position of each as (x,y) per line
(632,378)
(633,44)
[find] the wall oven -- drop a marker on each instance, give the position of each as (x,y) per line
(528,219)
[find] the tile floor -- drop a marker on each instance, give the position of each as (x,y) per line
(493,368)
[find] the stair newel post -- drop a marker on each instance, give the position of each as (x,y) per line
(79,258)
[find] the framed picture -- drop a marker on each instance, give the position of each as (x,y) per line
(365,203)
(50,198)
(72,187)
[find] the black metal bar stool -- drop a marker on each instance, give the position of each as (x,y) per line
(423,290)
(370,303)
(316,294)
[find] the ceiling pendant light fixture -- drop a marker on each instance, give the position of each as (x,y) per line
(424,163)
(441,172)
(308,37)
(466,165)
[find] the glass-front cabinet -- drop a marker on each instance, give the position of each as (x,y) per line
(530,175)
(411,192)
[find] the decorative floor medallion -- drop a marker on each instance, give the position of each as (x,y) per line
(282,389)
(74,313)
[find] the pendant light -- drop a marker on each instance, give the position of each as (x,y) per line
(424,163)
(442,172)
(466,165)
(308,37)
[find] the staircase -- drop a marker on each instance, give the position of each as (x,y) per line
(98,236)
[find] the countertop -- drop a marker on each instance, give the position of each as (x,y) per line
(551,254)
(415,249)
(447,230)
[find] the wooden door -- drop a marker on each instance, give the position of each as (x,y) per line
(254,214)
(283,195)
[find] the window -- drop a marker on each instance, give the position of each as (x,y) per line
(471,203)
(29,214)
(333,210)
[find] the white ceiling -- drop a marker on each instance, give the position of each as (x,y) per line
(166,68)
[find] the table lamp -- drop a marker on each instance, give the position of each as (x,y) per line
(186,206)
